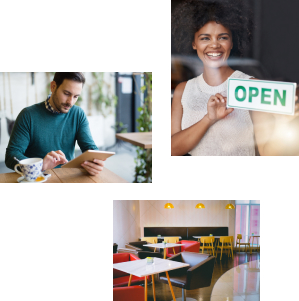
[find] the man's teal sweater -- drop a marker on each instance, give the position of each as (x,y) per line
(37,132)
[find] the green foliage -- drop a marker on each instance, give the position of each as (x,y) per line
(102,95)
(143,169)
(119,127)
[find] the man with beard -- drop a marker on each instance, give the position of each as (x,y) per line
(51,128)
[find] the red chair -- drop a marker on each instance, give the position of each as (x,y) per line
(121,278)
(129,293)
(189,246)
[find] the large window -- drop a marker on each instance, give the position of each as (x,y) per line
(247,219)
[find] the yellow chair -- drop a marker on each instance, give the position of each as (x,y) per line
(207,242)
(150,240)
(172,240)
(257,238)
(246,244)
(226,245)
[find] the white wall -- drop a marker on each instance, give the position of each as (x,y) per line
(126,222)
(184,214)
(130,217)
(24,94)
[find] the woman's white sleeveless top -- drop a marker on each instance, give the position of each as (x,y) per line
(231,136)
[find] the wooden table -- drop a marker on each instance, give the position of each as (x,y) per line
(70,175)
(142,139)
(140,268)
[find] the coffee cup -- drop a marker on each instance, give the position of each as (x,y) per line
(31,169)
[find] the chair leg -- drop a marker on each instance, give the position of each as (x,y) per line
(221,254)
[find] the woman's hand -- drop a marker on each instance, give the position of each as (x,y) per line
(52,159)
(217,108)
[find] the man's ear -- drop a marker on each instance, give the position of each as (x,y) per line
(53,86)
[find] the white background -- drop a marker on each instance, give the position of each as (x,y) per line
(56,241)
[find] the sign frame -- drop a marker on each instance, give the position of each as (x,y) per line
(258,109)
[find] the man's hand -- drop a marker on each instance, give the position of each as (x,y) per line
(93,168)
(52,159)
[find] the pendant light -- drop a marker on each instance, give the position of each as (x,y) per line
(200,206)
(168,206)
(230,206)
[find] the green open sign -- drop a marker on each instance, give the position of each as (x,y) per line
(260,95)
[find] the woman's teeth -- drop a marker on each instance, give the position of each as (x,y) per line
(214,54)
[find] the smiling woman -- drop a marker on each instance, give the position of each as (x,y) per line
(201,123)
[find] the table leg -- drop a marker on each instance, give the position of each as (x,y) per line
(130,279)
(145,288)
(164,253)
(154,291)
(171,289)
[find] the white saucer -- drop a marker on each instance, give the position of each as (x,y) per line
(23,180)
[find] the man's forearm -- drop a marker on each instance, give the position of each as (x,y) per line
(10,162)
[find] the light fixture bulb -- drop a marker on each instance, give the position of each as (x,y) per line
(168,206)
(200,206)
(230,206)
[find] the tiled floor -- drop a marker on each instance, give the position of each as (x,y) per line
(122,163)
(204,294)
(239,284)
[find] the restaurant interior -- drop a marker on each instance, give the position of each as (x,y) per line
(186,250)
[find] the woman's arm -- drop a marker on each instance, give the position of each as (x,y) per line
(182,141)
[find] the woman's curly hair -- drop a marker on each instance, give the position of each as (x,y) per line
(190,15)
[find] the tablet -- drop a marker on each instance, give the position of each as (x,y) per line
(89,155)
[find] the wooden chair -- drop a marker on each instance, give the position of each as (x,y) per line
(246,244)
(253,238)
(172,240)
(150,240)
(207,242)
(226,245)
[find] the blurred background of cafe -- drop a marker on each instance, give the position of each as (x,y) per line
(272,54)
(114,102)
(189,222)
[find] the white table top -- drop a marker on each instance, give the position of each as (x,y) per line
(140,268)
(163,246)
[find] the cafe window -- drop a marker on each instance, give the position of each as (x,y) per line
(247,219)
